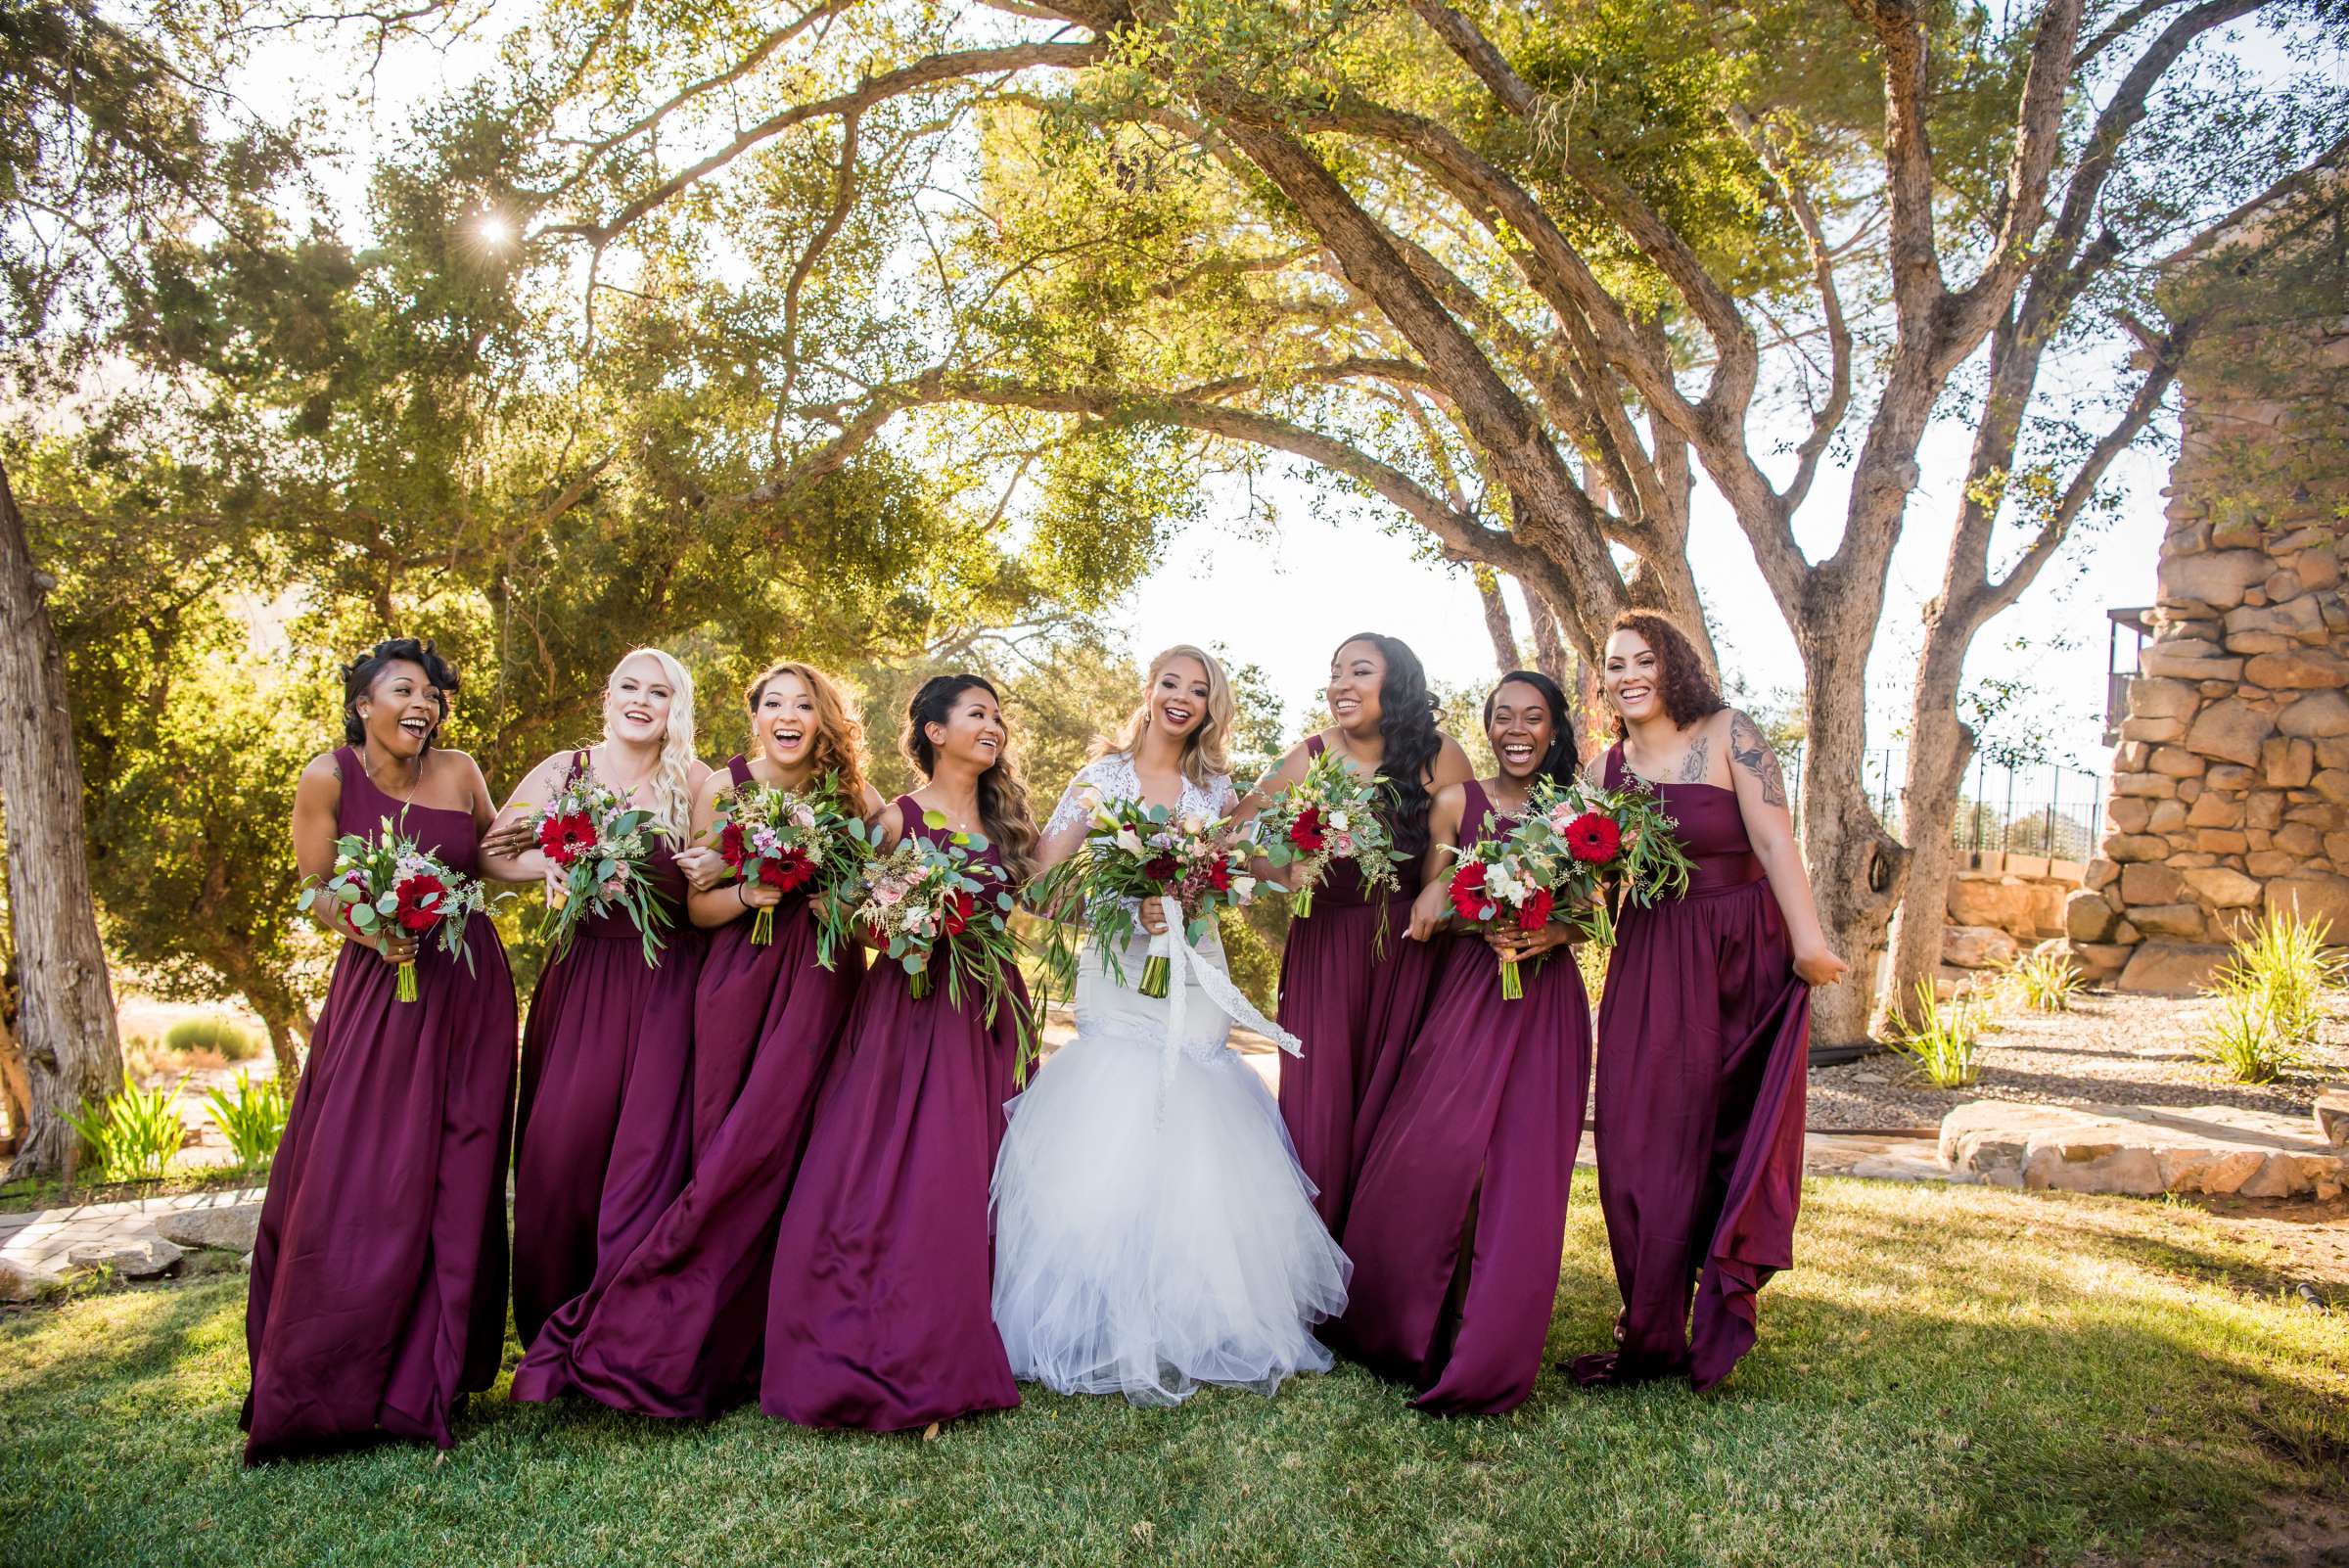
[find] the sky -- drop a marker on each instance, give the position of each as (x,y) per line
(1284,597)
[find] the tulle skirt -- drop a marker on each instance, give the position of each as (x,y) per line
(1141,1251)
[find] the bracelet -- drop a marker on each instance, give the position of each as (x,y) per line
(742,895)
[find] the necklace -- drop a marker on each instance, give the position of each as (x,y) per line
(415,781)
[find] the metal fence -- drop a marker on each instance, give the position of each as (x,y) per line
(2049,808)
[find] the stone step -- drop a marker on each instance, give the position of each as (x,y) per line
(2143,1150)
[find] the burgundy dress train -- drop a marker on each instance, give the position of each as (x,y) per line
(1460,1211)
(1704,1036)
(1354,999)
(602,1137)
(882,1315)
(677,1329)
(379,1292)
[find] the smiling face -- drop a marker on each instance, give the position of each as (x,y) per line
(1522,729)
(1355,675)
(1633,677)
(972,733)
(402,709)
(1179,697)
(636,704)
(785,720)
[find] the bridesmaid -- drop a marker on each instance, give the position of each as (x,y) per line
(1704,1029)
(677,1329)
(378,1296)
(881,1311)
(1457,1213)
(1352,988)
(601,1136)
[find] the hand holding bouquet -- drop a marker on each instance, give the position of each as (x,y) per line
(602,847)
(1328,816)
(785,840)
(387,883)
(1133,852)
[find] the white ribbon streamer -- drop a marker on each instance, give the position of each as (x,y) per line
(1183,965)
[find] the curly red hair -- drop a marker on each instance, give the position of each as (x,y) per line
(1688,692)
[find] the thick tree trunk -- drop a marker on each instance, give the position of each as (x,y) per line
(1855,867)
(15,1094)
(65,1008)
(1940,746)
(1497,620)
(287,1032)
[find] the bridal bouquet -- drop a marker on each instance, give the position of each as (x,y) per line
(1328,816)
(1131,852)
(787,840)
(388,881)
(603,846)
(931,907)
(1623,845)
(1516,881)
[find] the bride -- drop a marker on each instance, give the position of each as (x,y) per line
(1153,1229)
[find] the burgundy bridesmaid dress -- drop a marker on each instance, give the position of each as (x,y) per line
(1704,1036)
(1460,1211)
(881,1315)
(602,1142)
(677,1330)
(1354,1001)
(378,1293)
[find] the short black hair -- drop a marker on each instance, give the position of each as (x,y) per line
(359,677)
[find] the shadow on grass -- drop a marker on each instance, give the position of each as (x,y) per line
(1950,1377)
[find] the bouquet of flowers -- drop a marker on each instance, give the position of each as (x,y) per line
(387,880)
(1516,881)
(1327,816)
(931,907)
(1624,845)
(603,846)
(787,841)
(1134,851)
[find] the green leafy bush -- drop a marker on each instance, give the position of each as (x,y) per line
(1945,1038)
(131,1136)
(2043,982)
(253,1121)
(212,1033)
(2272,997)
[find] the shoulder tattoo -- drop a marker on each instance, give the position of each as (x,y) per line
(1750,751)
(1693,762)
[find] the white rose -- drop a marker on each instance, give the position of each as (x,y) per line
(1338,820)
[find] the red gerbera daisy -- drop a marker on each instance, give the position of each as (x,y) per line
(1306,831)
(731,846)
(420,903)
(1536,912)
(1468,890)
(1593,838)
(787,871)
(566,837)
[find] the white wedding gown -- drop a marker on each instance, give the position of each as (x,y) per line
(1142,1250)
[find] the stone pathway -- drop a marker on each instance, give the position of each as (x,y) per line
(36,1244)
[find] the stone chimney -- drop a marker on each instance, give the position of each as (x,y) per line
(2231,783)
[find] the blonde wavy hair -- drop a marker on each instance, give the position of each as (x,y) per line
(672,791)
(839,746)
(1207,749)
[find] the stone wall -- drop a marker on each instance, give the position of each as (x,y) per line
(2003,905)
(2231,785)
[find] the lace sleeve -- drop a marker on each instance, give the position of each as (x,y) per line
(1066,828)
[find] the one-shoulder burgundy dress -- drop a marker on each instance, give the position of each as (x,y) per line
(1704,1037)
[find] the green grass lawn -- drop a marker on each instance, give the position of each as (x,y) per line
(1954,1375)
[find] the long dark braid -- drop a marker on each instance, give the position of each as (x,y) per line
(1406,724)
